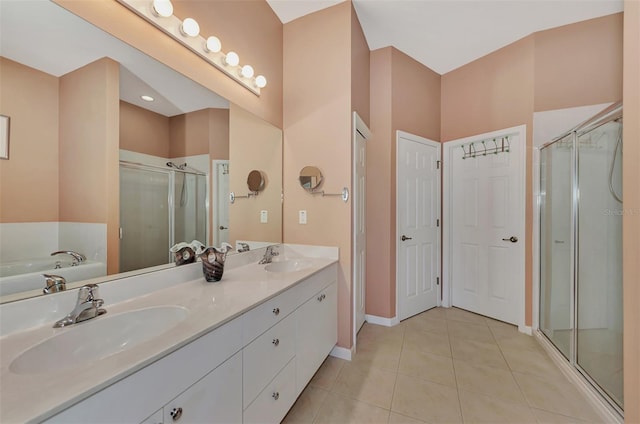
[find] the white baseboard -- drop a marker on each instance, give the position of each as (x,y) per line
(341,352)
(602,407)
(387,322)
(525,329)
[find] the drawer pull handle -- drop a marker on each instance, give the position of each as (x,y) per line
(176,413)
(276,342)
(276,311)
(321,297)
(275,395)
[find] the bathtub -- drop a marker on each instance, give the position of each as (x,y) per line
(25,275)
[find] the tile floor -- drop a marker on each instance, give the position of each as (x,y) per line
(442,366)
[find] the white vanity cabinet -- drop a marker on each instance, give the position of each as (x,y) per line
(250,369)
(316,333)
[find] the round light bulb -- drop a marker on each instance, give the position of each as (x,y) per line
(162,8)
(190,27)
(261,81)
(247,71)
(147,98)
(213,45)
(232,59)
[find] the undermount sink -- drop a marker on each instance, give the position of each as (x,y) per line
(289,265)
(97,338)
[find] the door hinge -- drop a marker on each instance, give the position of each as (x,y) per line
(437,164)
(437,281)
(437,222)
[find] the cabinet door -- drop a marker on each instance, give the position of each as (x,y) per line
(155,418)
(316,333)
(216,398)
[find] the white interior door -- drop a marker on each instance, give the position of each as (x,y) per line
(361,133)
(221,199)
(418,231)
(487,225)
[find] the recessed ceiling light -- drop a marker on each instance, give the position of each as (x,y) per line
(147,98)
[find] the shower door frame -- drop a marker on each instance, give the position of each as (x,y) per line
(611,113)
(171,198)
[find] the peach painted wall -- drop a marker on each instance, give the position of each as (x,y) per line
(29,179)
(631,218)
(143,131)
(248,27)
(405,95)
(254,145)
(579,64)
(89,149)
(360,72)
(317,131)
(547,70)
(189,134)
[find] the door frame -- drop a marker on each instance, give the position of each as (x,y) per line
(438,146)
(447,173)
(358,126)
(215,200)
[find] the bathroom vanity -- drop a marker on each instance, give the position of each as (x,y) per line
(240,350)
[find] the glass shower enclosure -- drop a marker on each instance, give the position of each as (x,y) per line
(158,208)
(581,250)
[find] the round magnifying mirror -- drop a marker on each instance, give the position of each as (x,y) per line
(255,181)
(310,178)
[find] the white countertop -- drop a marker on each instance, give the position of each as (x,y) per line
(33,398)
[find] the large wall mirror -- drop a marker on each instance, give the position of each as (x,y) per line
(100,130)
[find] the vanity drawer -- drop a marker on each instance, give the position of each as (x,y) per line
(273,403)
(265,356)
(262,317)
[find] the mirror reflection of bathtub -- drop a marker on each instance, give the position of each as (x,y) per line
(26,275)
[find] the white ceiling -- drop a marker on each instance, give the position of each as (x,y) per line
(44,36)
(446,34)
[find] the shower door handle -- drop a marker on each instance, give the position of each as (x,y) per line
(222,227)
(512,239)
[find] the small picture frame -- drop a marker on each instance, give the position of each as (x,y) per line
(4,137)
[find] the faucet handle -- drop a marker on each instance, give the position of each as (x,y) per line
(88,293)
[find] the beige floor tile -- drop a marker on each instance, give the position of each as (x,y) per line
(383,356)
(439,313)
(306,407)
(555,395)
(494,323)
(376,333)
(477,408)
(480,353)
(531,361)
(338,409)
(428,366)
(424,322)
(368,384)
(489,381)
(470,331)
(326,376)
(545,417)
(427,401)
(456,314)
(395,418)
(509,339)
(426,341)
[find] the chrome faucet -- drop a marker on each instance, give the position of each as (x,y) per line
(268,255)
(55,283)
(78,258)
(88,306)
(244,247)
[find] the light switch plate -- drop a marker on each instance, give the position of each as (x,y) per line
(302,217)
(264,217)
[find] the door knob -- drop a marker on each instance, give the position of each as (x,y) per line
(222,227)
(405,238)
(512,239)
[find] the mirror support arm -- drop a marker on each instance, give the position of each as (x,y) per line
(344,194)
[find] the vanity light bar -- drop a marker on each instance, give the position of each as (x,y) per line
(184,32)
